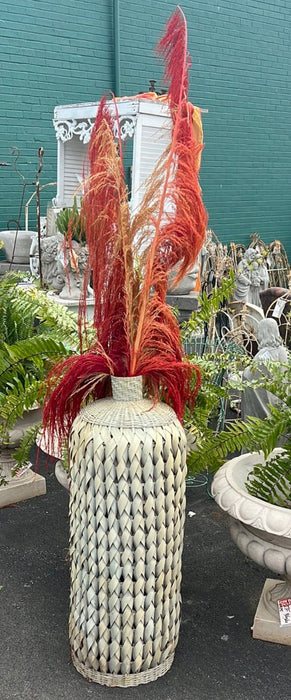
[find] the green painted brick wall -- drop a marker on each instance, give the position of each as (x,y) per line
(63,52)
(56,52)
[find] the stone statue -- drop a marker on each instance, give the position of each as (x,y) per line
(52,273)
(74,267)
(63,271)
(186,285)
(255,402)
(251,278)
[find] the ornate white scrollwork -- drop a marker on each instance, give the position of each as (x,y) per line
(127,126)
(66,128)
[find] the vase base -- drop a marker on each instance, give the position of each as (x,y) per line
(266,624)
(123,680)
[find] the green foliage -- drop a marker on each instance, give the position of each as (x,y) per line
(215,447)
(209,306)
(216,360)
(18,397)
(209,406)
(35,332)
(71,216)
(29,355)
(272,481)
(26,311)
(254,435)
(21,454)
(13,325)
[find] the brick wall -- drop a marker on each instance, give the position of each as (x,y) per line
(56,52)
(241,66)
(62,52)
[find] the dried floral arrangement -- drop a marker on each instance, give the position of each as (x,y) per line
(220,258)
(130,258)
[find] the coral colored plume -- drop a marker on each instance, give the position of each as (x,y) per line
(130,258)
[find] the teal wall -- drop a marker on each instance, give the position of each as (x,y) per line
(63,52)
(56,52)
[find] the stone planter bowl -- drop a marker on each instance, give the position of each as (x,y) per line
(22,246)
(262,531)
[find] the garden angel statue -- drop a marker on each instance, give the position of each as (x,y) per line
(251,278)
(256,401)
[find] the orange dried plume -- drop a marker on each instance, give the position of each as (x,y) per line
(136,331)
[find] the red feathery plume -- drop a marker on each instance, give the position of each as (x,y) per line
(136,331)
(173,48)
(106,217)
(178,224)
(70,383)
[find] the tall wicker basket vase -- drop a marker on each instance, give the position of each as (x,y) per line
(127,511)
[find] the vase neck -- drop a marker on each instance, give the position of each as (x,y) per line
(126,388)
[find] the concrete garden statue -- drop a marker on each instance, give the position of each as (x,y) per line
(63,264)
(256,401)
(120,403)
(53,273)
(251,277)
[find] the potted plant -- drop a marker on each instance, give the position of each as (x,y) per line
(254,488)
(121,402)
(34,333)
(69,218)
(64,259)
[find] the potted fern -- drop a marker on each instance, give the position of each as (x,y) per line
(34,334)
(254,488)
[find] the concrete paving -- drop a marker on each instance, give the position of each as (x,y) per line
(216,657)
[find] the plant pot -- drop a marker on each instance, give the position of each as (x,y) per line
(17,252)
(62,476)
(127,511)
(262,531)
(73,304)
(25,484)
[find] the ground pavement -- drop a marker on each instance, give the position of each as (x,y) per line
(216,657)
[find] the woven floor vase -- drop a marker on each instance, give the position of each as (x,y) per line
(127,510)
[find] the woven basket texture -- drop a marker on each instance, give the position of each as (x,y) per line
(127,511)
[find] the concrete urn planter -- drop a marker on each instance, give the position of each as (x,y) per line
(17,245)
(262,531)
(62,475)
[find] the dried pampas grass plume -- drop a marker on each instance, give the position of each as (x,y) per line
(130,258)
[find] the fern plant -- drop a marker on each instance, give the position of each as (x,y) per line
(273,481)
(35,333)
(202,320)
(216,360)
